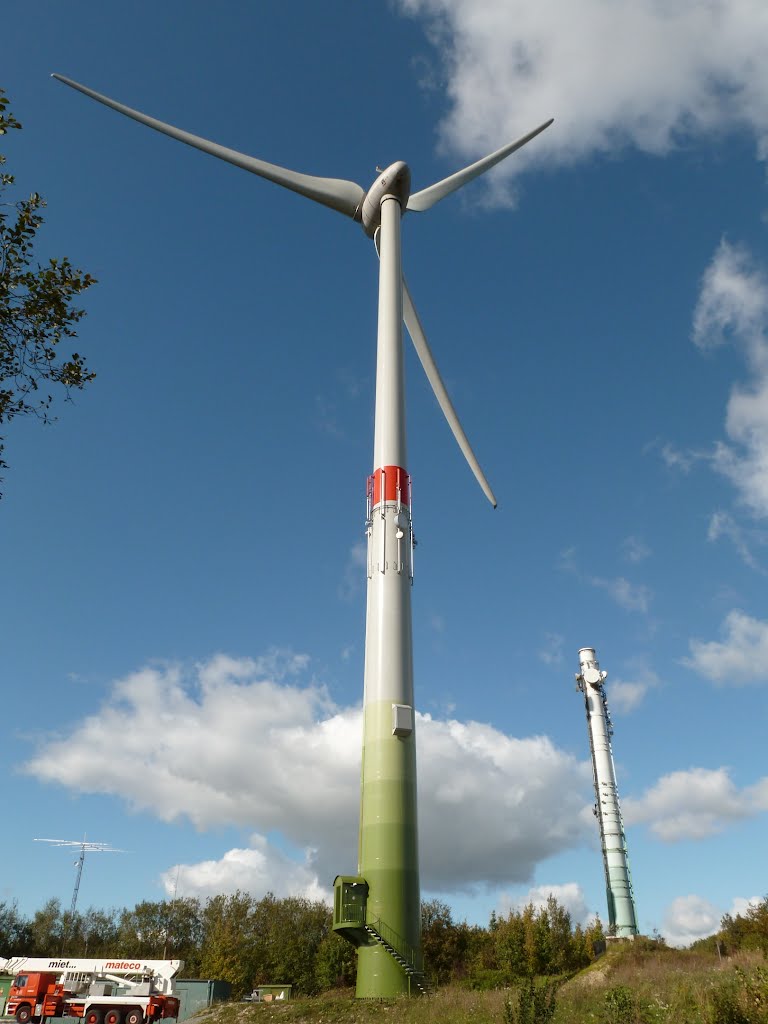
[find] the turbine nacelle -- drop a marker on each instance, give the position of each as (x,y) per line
(394,182)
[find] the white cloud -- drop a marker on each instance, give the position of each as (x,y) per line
(733,302)
(243,744)
(567,560)
(689,918)
(722,524)
(352,582)
(492,806)
(742,904)
(260,868)
(733,305)
(635,550)
(634,597)
(552,651)
(745,463)
(675,458)
(631,596)
(569,895)
(507,65)
(626,696)
(741,657)
(695,804)
(629,73)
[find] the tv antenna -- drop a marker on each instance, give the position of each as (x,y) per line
(85,847)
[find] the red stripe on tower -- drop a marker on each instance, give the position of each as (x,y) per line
(396,486)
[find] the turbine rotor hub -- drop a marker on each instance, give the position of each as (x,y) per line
(392,183)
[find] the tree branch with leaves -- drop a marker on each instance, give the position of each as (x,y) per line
(37,312)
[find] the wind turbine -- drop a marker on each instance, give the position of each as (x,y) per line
(379,908)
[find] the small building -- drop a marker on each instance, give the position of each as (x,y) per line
(6,980)
(271,993)
(196,994)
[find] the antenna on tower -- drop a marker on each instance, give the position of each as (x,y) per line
(622,916)
(85,847)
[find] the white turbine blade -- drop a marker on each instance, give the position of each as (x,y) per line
(338,194)
(416,331)
(420,201)
(424,352)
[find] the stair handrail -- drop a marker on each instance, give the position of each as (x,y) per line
(414,956)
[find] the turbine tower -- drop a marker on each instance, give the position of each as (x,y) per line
(622,918)
(379,908)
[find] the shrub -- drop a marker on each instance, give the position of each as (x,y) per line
(535,1004)
(619,1005)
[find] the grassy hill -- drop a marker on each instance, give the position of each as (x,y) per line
(641,984)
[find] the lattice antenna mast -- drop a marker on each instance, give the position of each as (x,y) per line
(622,917)
(85,847)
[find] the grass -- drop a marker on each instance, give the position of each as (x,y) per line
(626,986)
(445,1006)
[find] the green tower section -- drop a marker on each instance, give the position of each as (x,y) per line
(389,847)
(379,909)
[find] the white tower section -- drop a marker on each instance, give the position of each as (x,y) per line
(622,919)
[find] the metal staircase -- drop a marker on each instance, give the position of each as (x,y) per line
(350,921)
(408,958)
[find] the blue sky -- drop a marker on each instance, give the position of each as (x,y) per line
(183,599)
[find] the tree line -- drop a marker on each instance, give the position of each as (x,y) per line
(747,931)
(248,941)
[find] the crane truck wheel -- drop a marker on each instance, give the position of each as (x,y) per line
(113,1016)
(94,1016)
(23,1014)
(134,1016)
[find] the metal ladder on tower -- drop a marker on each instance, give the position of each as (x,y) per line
(408,958)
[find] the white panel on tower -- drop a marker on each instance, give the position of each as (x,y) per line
(402,720)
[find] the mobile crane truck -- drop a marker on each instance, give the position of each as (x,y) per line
(97,991)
